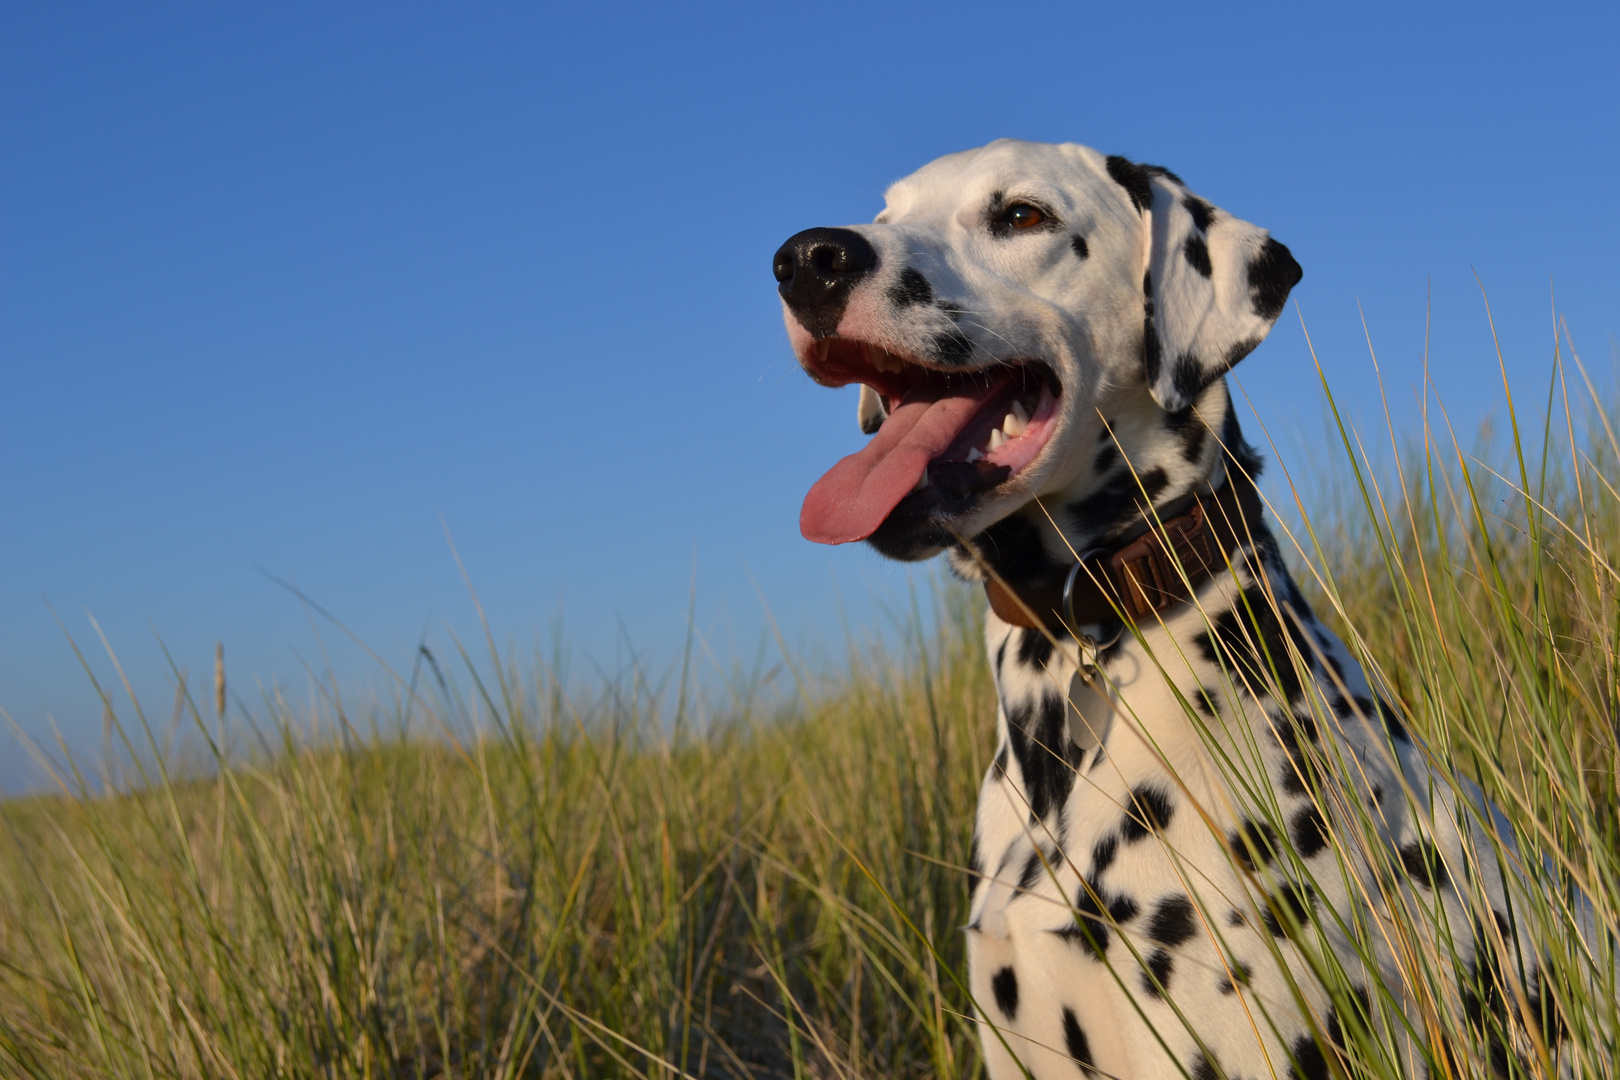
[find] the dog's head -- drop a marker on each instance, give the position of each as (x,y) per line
(1003,294)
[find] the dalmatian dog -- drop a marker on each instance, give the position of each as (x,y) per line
(1170,872)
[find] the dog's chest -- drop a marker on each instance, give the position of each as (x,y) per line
(1110,911)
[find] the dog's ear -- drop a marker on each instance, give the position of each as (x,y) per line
(871,411)
(1212,288)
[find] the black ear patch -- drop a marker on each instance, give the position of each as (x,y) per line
(1078,243)
(1197,252)
(1160,170)
(1202,212)
(1271,275)
(1134,178)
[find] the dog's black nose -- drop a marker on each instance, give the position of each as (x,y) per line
(816,270)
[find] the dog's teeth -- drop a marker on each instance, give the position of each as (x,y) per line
(974,455)
(1012,425)
(997,440)
(1021,413)
(922,481)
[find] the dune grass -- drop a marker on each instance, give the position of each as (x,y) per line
(637,881)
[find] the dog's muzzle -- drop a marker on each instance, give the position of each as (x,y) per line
(816,270)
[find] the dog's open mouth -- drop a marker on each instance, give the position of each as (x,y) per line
(961,432)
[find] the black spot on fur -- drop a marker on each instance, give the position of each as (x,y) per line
(1271,275)
(1122,909)
(1197,252)
(1173,921)
(1033,871)
(1254,844)
(1485,1005)
(1189,377)
(1150,811)
(952,347)
(1392,722)
(1250,636)
(1004,984)
(1291,900)
(1202,1068)
(1236,918)
(1102,854)
(1363,1014)
(1188,427)
(1544,1007)
(1034,649)
(1074,1040)
(1202,212)
(1000,764)
(973,867)
(1206,701)
(1078,243)
(1152,482)
(1012,547)
(1047,758)
(1092,918)
(1299,773)
(1292,597)
(1117,503)
(1309,1061)
(1238,451)
(1308,830)
(1305,724)
(910,288)
(951,308)
(1105,460)
(1423,865)
(1241,973)
(1156,979)
(1134,179)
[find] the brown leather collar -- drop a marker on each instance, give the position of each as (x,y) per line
(1146,575)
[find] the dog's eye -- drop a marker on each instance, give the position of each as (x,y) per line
(1022,216)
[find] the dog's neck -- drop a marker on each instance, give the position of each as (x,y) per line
(1136,456)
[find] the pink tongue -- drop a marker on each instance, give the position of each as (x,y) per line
(855,495)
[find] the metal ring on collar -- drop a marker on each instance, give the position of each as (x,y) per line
(1068,601)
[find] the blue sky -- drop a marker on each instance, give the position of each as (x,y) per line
(300,287)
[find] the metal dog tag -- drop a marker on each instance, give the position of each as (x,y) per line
(1090,714)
